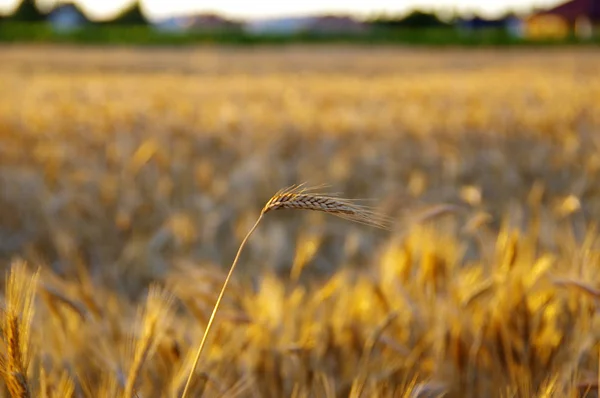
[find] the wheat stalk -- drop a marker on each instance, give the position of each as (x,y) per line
(297,197)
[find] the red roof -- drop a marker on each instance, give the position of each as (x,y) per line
(575,9)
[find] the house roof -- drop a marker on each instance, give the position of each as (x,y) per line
(211,21)
(335,23)
(575,8)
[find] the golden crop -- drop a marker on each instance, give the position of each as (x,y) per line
(128,178)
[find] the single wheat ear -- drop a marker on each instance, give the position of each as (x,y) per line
(298,197)
(16,326)
(301,198)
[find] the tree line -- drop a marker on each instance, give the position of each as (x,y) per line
(28,11)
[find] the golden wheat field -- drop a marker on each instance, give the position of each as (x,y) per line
(129,177)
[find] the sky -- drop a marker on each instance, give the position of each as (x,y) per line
(273,8)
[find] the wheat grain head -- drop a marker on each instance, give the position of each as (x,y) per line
(153,320)
(16,325)
(300,197)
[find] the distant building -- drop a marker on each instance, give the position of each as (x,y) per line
(212,22)
(325,24)
(284,26)
(332,24)
(173,25)
(67,17)
(202,22)
(515,26)
(578,17)
(512,24)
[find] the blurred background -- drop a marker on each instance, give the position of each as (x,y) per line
(415,21)
(135,133)
(139,141)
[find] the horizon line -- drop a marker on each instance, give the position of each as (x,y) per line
(290,15)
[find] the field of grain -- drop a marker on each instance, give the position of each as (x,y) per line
(128,178)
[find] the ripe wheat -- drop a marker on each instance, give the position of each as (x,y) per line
(16,325)
(296,197)
(302,198)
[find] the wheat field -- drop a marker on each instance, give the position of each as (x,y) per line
(128,178)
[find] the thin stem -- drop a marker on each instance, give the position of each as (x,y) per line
(216,307)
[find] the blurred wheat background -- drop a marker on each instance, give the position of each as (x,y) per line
(128,178)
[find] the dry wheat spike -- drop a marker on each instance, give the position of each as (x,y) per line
(15,325)
(302,198)
(297,197)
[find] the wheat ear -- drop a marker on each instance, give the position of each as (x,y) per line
(153,320)
(16,326)
(301,198)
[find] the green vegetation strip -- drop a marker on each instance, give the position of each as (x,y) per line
(144,35)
